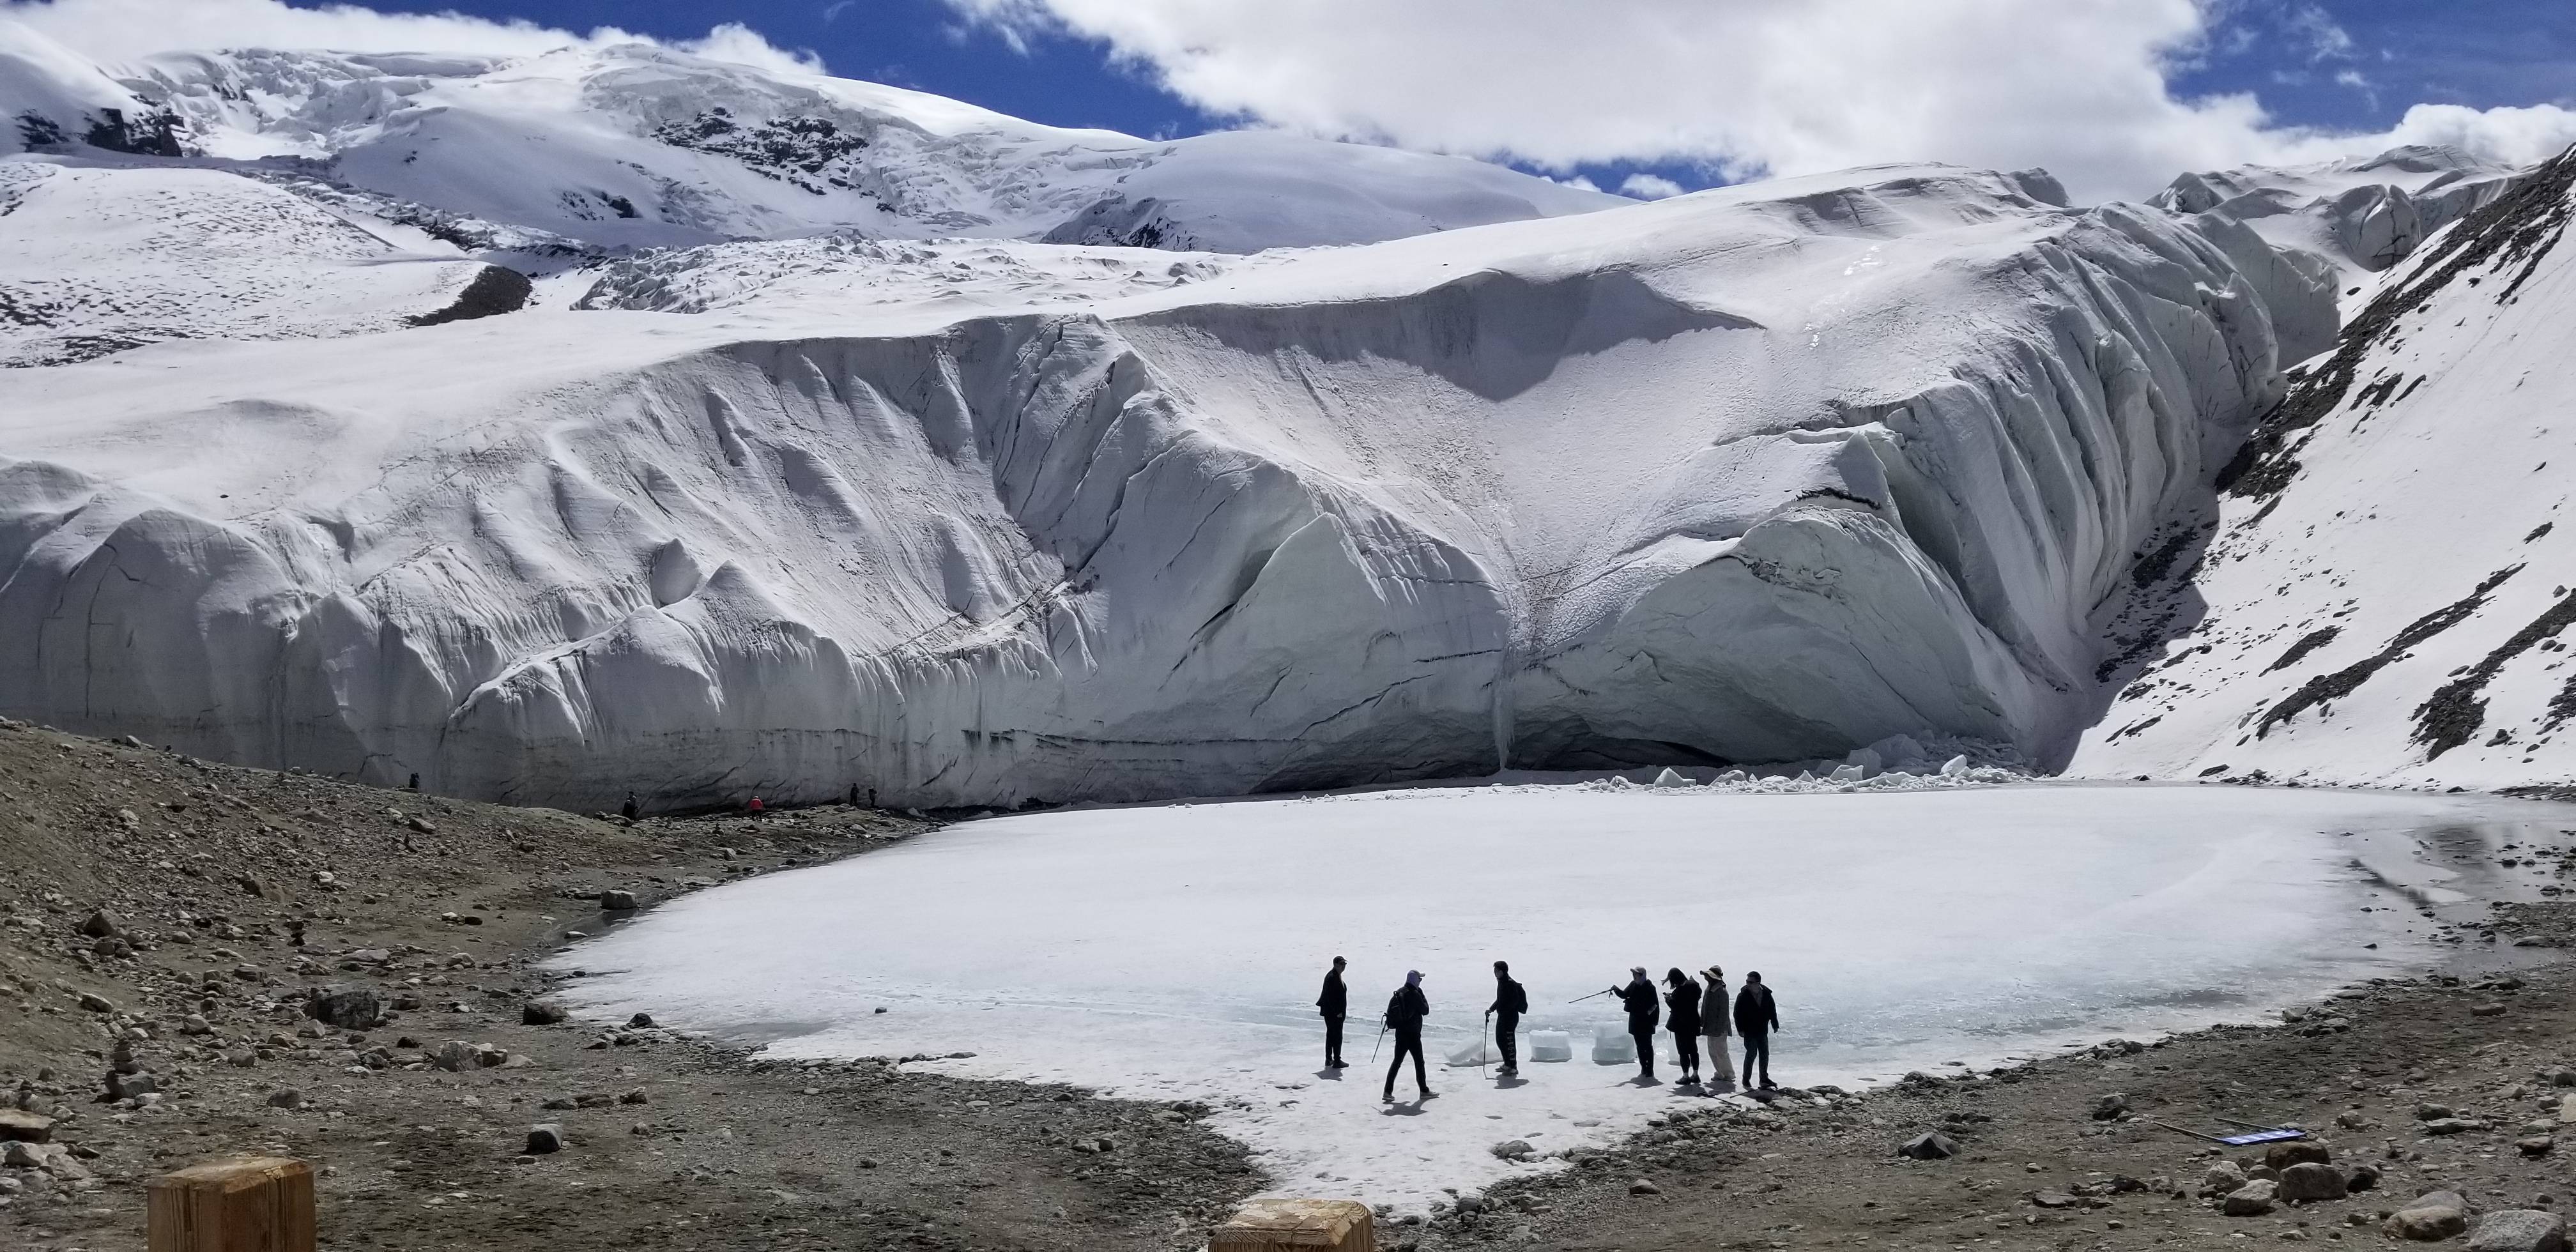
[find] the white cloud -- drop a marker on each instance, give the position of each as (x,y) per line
(2319,36)
(122,30)
(1649,187)
(1787,86)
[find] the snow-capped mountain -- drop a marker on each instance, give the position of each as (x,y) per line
(2384,597)
(2346,220)
(635,145)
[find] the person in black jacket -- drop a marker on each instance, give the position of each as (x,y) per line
(1404,1013)
(1510,1001)
(1755,1018)
(1681,1002)
(1334,1004)
(1639,999)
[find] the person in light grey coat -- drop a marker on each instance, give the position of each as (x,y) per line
(1715,1026)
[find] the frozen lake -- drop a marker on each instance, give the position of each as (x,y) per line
(1175,951)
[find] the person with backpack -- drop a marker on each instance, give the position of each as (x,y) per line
(1755,1018)
(1334,1004)
(1404,1013)
(1510,1001)
(1638,997)
(1681,1016)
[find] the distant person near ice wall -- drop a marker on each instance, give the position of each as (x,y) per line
(1713,1027)
(1643,1008)
(1755,1018)
(1681,1016)
(1334,1004)
(1404,1013)
(1510,1001)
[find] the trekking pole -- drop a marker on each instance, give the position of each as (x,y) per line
(1381,1042)
(1581,999)
(1485,1045)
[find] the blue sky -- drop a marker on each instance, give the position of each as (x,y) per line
(2341,64)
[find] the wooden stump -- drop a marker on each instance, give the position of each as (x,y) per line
(1280,1224)
(261,1204)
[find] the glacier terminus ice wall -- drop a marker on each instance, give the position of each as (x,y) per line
(1754,474)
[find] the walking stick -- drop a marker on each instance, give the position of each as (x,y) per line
(1581,999)
(1381,1042)
(1485,1046)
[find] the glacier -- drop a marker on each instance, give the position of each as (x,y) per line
(1761,473)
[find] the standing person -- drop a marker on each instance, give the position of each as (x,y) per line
(1639,998)
(1713,1007)
(1681,1016)
(1755,1018)
(1334,1004)
(1404,1013)
(1510,1001)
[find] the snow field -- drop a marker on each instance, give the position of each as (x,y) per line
(1174,952)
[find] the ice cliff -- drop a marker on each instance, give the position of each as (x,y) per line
(1756,474)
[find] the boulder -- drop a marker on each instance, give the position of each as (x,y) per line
(1931,1145)
(2222,1178)
(97,1003)
(2429,1218)
(2452,1126)
(540,1013)
(2297,1151)
(617,901)
(2312,1180)
(2251,1200)
(349,1008)
(545,1138)
(25,1126)
(101,925)
(1513,1150)
(2535,1145)
(286,1098)
(2520,1230)
(2109,1107)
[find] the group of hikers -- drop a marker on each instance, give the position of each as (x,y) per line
(1691,1010)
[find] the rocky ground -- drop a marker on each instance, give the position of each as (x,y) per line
(172,929)
(2439,1107)
(165,925)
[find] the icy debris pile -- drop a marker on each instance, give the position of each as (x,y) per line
(844,270)
(1896,763)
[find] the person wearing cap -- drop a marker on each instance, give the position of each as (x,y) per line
(1644,1008)
(1755,1018)
(1510,1001)
(1334,1004)
(1404,1013)
(1713,1006)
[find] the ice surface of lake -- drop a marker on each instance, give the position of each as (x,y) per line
(1175,951)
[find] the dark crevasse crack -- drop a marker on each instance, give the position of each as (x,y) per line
(2345,681)
(2447,719)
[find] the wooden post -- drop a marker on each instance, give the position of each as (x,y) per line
(260,1204)
(1283,1225)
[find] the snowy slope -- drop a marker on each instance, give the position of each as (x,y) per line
(637,145)
(1756,474)
(97,260)
(2350,218)
(2385,598)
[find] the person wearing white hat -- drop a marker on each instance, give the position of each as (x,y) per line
(1714,1027)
